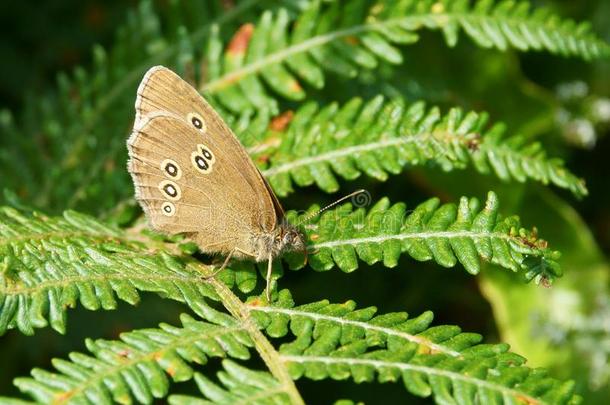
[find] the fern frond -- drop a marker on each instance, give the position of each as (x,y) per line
(342,38)
(241,386)
(136,368)
(329,341)
(380,138)
(339,341)
(283,51)
(50,264)
(446,234)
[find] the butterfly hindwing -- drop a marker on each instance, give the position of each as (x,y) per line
(164,92)
(185,183)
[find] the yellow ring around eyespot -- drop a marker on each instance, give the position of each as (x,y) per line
(200,148)
(166,186)
(190,118)
(172,209)
(163,167)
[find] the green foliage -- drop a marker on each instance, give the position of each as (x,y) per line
(447,234)
(309,87)
(136,368)
(378,138)
(330,341)
(52,263)
(329,37)
(285,49)
(240,385)
(339,341)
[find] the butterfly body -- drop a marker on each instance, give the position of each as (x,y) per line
(193,176)
(284,238)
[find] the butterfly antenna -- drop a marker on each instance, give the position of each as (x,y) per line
(329,206)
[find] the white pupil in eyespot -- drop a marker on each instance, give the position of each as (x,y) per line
(197,122)
(171,169)
(168,209)
(170,190)
(201,163)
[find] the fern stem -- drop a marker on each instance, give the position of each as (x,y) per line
(267,352)
(380,364)
(64,282)
(338,153)
(364,325)
(414,235)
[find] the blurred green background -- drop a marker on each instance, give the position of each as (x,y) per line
(564,103)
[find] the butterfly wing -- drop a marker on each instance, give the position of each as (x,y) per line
(190,172)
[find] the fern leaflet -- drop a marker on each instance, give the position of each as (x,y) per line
(49,264)
(343,38)
(329,341)
(377,138)
(447,234)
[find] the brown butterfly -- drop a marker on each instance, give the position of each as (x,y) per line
(193,176)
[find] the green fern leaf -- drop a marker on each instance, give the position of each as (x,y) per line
(136,368)
(335,341)
(339,341)
(50,264)
(380,138)
(447,234)
(283,53)
(241,385)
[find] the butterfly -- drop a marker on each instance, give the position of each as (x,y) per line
(192,176)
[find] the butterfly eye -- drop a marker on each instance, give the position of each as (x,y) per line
(171,169)
(197,121)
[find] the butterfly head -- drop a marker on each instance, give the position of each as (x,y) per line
(289,238)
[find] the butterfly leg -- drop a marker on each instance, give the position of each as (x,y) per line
(226,262)
(269,270)
(221,268)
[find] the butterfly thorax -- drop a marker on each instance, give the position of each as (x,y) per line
(284,238)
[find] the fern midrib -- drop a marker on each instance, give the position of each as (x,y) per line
(419,19)
(377,364)
(180,341)
(348,151)
(339,153)
(17,289)
(366,326)
(414,235)
(30,237)
(267,352)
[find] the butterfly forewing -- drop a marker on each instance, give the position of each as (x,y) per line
(190,172)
